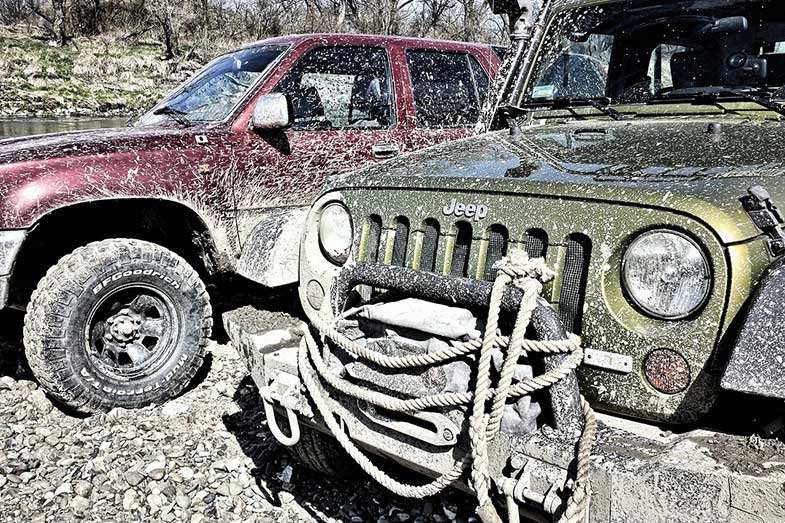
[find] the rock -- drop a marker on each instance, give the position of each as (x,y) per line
(41,403)
(200,458)
(65,488)
(223,489)
(26,476)
(80,504)
(83,488)
(174,408)
(133,478)
(129,499)
(186,473)
(235,487)
(156,470)
(155,502)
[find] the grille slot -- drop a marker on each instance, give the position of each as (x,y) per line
(536,243)
(453,257)
(430,245)
(459,265)
(401,241)
(497,249)
(576,268)
(374,237)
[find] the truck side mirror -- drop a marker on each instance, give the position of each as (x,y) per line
(272,111)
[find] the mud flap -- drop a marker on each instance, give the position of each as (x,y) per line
(270,256)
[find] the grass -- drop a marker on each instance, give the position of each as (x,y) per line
(89,77)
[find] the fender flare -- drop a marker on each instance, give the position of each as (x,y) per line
(757,360)
(271,254)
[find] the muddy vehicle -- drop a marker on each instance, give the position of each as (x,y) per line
(109,237)
(626,193)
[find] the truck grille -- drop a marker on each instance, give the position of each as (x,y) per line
(465,250)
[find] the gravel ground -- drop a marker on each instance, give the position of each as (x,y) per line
(206,456)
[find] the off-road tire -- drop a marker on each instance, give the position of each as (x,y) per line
(323,454)
(57,336)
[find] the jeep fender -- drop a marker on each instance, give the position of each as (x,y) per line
(271,254)
(757,360)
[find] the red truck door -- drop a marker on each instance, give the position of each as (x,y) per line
(448,88)
(346,114)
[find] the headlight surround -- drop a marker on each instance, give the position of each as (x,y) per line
(336,232)
(666,274)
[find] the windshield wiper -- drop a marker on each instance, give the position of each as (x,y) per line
(601,104)
(764,101)
(177,115)
(714,97)
(607,109)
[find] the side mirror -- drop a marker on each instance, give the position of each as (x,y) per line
(272,111)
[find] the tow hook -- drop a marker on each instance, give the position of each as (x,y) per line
(766,217)
(272,422)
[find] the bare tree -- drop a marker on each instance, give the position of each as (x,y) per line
(433,17)
(164,12)
(12,11)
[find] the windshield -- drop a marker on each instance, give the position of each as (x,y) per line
(638,52)
(213,93)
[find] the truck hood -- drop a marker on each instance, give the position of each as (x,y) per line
(100,142)
(676,165)
(40,173)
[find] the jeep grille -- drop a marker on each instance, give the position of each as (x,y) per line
(449,248)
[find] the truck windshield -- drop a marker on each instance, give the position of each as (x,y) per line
(213,93)
(655,51)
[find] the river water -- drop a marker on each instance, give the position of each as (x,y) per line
(25,127)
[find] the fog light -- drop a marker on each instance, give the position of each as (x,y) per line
(315,294)
(667,371)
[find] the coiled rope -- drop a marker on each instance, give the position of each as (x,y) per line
(485,420)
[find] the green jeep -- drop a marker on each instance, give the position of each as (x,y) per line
(637,147)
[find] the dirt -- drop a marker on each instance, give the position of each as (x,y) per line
(256,321)
(752,455)
(205,456)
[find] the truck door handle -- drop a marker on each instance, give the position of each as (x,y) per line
(385,151)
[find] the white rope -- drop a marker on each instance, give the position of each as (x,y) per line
(484,422)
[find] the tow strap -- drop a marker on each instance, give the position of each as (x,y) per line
(487,401)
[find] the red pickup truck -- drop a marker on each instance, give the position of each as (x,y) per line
(108,237)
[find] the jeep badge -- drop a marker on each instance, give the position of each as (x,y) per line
(456,208)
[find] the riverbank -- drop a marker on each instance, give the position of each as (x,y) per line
(98,77)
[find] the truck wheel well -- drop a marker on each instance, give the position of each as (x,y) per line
(169,224)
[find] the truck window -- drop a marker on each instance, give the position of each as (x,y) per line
(213,93)
(448,87)
(340,87)
(501,51)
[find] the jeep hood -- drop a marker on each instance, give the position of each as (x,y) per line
(673,165)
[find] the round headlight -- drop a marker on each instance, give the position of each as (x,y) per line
(666,274)
(336,233)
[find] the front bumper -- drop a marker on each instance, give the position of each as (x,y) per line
(638,473)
